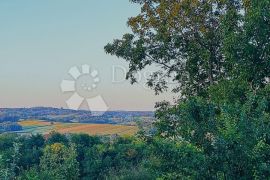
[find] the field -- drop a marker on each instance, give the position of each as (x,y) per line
(45,127)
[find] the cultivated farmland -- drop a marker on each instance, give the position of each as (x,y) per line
(45,127)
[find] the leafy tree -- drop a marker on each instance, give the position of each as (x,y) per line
(31,149)
(4,171)
(113,159)
(248,48)
(189,120)
(9,167)
(55,137)
(134,173)
(30,174)
(183,38)
(234,137)
(59,162)
(181,160)
(83,142)
(218,51)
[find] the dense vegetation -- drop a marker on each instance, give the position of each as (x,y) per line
(219,53)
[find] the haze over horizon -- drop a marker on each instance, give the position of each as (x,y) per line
(42,40)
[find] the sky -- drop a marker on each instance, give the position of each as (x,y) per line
(40,41)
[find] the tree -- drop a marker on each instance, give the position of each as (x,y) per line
(56,137)
(234,136)
(219,53)
(83,142)
(32,150)
(4,171)
(59,162)
(9,169)
(183,38)
(248,47)
(180,160)
(113,159)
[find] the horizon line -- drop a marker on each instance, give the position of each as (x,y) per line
(119,110)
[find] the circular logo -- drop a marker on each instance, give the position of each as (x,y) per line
(82,88)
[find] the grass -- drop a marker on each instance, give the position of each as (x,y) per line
(45,127)
(34,123)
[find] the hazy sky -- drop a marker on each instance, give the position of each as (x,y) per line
(41,40)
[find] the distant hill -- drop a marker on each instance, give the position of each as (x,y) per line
(67,115)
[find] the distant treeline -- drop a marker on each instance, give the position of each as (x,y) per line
(9,126)
(67,115)
(10,118)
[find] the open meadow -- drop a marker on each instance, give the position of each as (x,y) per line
(45,127)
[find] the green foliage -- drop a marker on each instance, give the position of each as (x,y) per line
(248,48)
(83,142)
(31,174)
(227,92)
(190,120)
(134,173)
(4,171)
(230,135)
(9,167)
(219,53)
(110,159)
(183,38)
(59,162)
(55,137)
(32,149)
(170,160)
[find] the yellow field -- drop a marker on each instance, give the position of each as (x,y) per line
(98,129)
(34,123)
(46,127)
